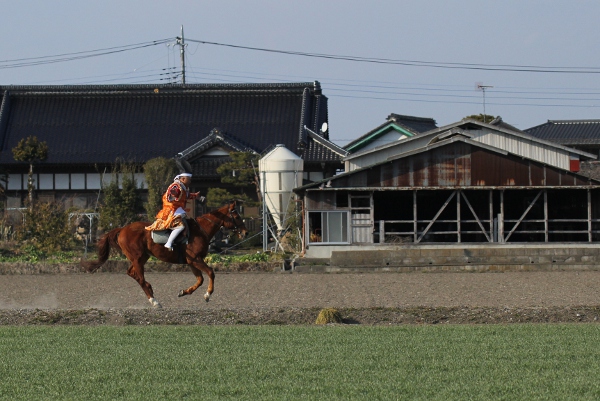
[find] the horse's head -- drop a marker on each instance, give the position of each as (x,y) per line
(234,221)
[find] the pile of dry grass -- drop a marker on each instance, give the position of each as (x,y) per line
(329,315)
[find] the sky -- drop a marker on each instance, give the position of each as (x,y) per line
(538,60)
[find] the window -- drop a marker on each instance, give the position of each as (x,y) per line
(78,181)
(61,181)
(140,179)
(328,227)
(93,181)
(15,181)
(46,181)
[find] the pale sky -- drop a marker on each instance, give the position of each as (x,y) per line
(454,44)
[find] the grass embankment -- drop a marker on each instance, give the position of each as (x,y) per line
(308,362)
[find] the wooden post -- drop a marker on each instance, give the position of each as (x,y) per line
(415,225)
(501,219)
(589,213)
(491,206)
(458,192)
(546,225)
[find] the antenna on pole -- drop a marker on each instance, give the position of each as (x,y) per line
(483,88)
(181,43)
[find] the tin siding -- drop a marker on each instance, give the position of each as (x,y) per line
(552,177)
(442,171)
(493,169)
(536,175)
(524,147)
(463,165)
(387,175)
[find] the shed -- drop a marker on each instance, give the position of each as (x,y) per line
(453,186)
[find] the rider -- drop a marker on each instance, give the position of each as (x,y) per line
(172,214)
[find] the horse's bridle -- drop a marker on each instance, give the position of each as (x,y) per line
(237,227)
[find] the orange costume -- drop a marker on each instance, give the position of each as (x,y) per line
(172,214)
(174,201)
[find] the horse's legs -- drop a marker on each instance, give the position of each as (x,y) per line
(136,271)
(198,267)
(199,281)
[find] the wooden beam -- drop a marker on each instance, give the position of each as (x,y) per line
(437,215)
(476,217)
(523,216)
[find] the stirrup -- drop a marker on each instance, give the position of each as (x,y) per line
(170,248)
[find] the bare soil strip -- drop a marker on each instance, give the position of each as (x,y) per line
(292,298)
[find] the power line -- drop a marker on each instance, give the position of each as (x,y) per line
(467,102)
(32,61)
(417,63)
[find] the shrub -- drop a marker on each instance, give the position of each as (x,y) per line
(46,229)
(120,206)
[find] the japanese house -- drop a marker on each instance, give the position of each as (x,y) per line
(89,128)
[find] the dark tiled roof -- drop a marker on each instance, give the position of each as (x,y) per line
(568,132)
(320,149)
(216,138)
(98,124)
(413,124)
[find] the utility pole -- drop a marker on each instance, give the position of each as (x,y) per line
(181,43)
(479,86)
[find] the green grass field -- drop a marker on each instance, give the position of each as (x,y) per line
(497,362)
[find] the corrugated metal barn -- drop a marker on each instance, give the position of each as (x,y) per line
(455,188)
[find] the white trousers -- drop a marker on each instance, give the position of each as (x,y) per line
(174,235)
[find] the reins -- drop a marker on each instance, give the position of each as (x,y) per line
(222,222)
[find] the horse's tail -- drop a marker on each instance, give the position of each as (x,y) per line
(107,241)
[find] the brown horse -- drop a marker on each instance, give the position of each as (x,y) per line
(136,243)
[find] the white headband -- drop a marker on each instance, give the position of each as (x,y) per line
(183,175)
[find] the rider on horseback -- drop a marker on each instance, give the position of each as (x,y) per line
(172,214)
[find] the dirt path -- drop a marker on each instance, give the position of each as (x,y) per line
(274,290)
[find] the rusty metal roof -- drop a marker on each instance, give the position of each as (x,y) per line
(456,161)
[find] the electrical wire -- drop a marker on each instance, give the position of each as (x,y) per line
(417,63)
(33,61)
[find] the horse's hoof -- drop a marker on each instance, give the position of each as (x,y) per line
(181,293)
(155,303)
(207,297)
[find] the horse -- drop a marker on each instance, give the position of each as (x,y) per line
(136,243)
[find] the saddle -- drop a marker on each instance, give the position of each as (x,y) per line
(162,236)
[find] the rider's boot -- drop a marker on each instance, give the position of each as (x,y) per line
(172,237)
